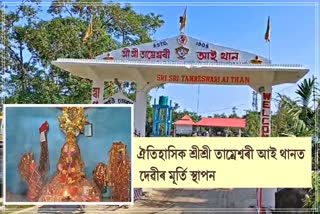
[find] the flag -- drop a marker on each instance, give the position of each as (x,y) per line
(183,20)
(89,31)
(43,129)
(267,35)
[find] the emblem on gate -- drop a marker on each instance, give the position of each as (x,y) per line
(182,52)
(182,40)
(108,57)
(256,60)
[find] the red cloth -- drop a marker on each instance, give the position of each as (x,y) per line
(44,127)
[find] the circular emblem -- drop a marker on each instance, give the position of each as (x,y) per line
(182,39)
(182,52)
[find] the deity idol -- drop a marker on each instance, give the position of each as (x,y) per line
(120,171)
(69,183)
(34,176)
(70,166)
(116,174)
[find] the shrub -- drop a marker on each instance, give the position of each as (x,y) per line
(310,201)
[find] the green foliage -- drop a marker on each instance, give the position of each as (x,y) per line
(179,114)
(253,124)
(310,200)
(31,44)
(293,117)
(298,117)
(220,115)
(149,117)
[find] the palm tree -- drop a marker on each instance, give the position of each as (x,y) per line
(298,117)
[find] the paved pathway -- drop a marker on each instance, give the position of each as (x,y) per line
(190,201)
(181,201)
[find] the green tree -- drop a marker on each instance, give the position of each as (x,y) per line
(149,119)
(223,115)
(32,43)
(310,201)
(298,117)
(253,124)
(177,115)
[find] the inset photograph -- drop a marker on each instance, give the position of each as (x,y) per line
(58,154)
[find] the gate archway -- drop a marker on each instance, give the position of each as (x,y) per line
(186,60)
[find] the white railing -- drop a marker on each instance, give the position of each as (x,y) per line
(183,63)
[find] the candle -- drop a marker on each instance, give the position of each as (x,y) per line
(65,194)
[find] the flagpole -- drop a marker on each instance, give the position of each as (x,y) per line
(198,99)
(260,190)
(269,51)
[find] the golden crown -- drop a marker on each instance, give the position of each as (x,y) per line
(72,121)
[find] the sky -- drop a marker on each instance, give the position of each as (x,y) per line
(293,40)
(242,26)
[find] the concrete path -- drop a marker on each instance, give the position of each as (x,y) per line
(181,201)
(188,201)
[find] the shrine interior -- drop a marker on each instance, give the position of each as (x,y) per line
(83,155)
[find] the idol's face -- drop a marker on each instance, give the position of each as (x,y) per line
(69,150)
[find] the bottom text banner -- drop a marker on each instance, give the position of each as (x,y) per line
(204,162)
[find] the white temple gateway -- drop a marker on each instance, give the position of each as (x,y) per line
(186,60)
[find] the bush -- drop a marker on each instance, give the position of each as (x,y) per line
(310,199)
(315,147)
